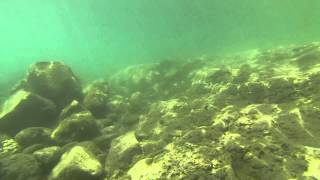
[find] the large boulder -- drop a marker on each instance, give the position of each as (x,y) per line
(77,127)
(77,164)
(55,81)
(20,167)
(25,109)
(34,135)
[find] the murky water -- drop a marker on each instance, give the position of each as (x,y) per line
(96,37)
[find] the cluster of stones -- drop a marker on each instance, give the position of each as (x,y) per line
(39,123)
(254,116)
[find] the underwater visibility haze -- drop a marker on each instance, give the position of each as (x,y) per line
(105,35)
(161,89)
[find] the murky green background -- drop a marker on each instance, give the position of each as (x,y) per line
(97,37)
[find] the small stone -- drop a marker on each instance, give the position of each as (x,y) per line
(73,108)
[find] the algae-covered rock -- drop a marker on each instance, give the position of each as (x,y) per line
(254,92)
(20,167)
(77,164)
(121,153)
(25,109)
(34,135)
(282,90)
(77,127)
(48,157)
(95,99)
(54,80)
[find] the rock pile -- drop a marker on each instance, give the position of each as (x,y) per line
(253,116)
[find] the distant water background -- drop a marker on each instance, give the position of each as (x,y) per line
(97,37)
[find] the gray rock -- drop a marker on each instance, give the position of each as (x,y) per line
(25,109)
(34,135)
(77,164)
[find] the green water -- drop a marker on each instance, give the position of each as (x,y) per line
(97,37)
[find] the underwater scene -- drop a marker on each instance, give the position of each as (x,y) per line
(160,90)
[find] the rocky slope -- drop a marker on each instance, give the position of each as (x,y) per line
(254,116)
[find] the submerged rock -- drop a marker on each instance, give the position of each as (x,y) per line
(25,109)
(55,81)
(72,108)
(48,157)
(33,148)
(34,135)
(77,164)
(95,99)
(20,167)
(78,127)
(121,153)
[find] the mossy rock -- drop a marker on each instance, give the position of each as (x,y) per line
(95,100)
(48,157)
(34,135)
(20,167)
(78,127)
